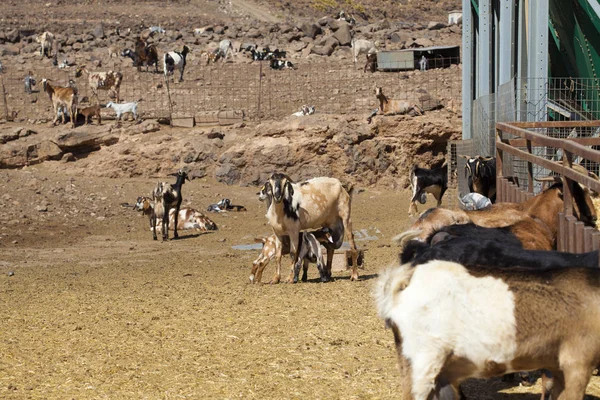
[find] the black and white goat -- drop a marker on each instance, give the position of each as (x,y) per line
(29,83)
(481,174)
(281,64)
(168,196)
(423,181)
(175,60)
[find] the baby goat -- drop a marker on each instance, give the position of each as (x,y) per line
(188,217)
(90,112)
(123,108)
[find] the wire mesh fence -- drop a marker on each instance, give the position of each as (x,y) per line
(253,90)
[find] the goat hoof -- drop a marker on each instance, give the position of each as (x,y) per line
(274,281)
(354,277)
(324,279)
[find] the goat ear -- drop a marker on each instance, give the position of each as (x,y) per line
(289,191)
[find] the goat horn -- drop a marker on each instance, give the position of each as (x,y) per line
(461,156)
(546,179)
(402,238)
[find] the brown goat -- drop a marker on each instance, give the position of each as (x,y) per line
(90,112)
(543,209)
(110,81)
(392,107)
(62,97)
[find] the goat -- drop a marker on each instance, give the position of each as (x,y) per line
(144,54)
(113,51)
(169,196)
(188,217)
(304,110)
(481,175)
(451,322)
(423,181)
(175,60)
(225,205)
(313,204)
(475,246)
(392,107)
(310,251)
(225,48)
(362,46)
(473,202)
(29,82)
(123,108)
(371,62)
(281,64)
(46,41)
(543,207)
(110,81)
(89,112)
(62,97)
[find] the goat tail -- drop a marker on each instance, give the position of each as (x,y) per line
(402,238)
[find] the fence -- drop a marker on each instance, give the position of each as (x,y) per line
(532,143)
(253,89)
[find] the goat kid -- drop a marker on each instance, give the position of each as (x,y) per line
(89,112)
(423,181)
(470,326)
(481,175)
(175,60)
(281,65)
(124,108)
(313,204)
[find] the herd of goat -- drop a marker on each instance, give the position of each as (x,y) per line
(477,292)
(65,98)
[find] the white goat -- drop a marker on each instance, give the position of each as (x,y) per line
(362,46)
(109,81)
(175,60)
(225,48)
(46,41)
(317,203)
(123,108)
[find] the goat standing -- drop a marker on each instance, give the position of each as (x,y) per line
(169,196)
(175,60)
(481,175)
(109,81)
(62,97)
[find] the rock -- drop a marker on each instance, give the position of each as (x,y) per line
(67,157)
(80,141)
(433,26)
(13,36)
(98,31)
(9,50)
(254,33)
(395,38)
(48,150)
(293,37)
(322,50)
(422,42)
(285,29)
(215,135)
(343,35)
(298,46)
(310,30)
(385,24)
(227,173)
(42,208)
(219,30)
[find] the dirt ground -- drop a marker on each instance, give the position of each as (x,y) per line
(92,307)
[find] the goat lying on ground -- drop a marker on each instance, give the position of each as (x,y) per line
(423,181)
(304,110)
(89,112)
(543,207)
(109,81)
(392,107)
(481,176)
(313,204)
(225,205)
(62,97)
(175,60)
(281,65)
(310,251)
(188,217)
(475,246)
(451,323)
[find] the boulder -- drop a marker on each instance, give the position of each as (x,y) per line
(48,150)
(98,31)
(254,33)
(13,36)
(9,50)
(395,38)
(219,30)
(326,50)
(343,35)
(433,26)
(310,30)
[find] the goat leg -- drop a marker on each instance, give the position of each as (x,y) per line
(153,225)
(165,223)
(175,234)
(305,271)
(297,271)
(278,253)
